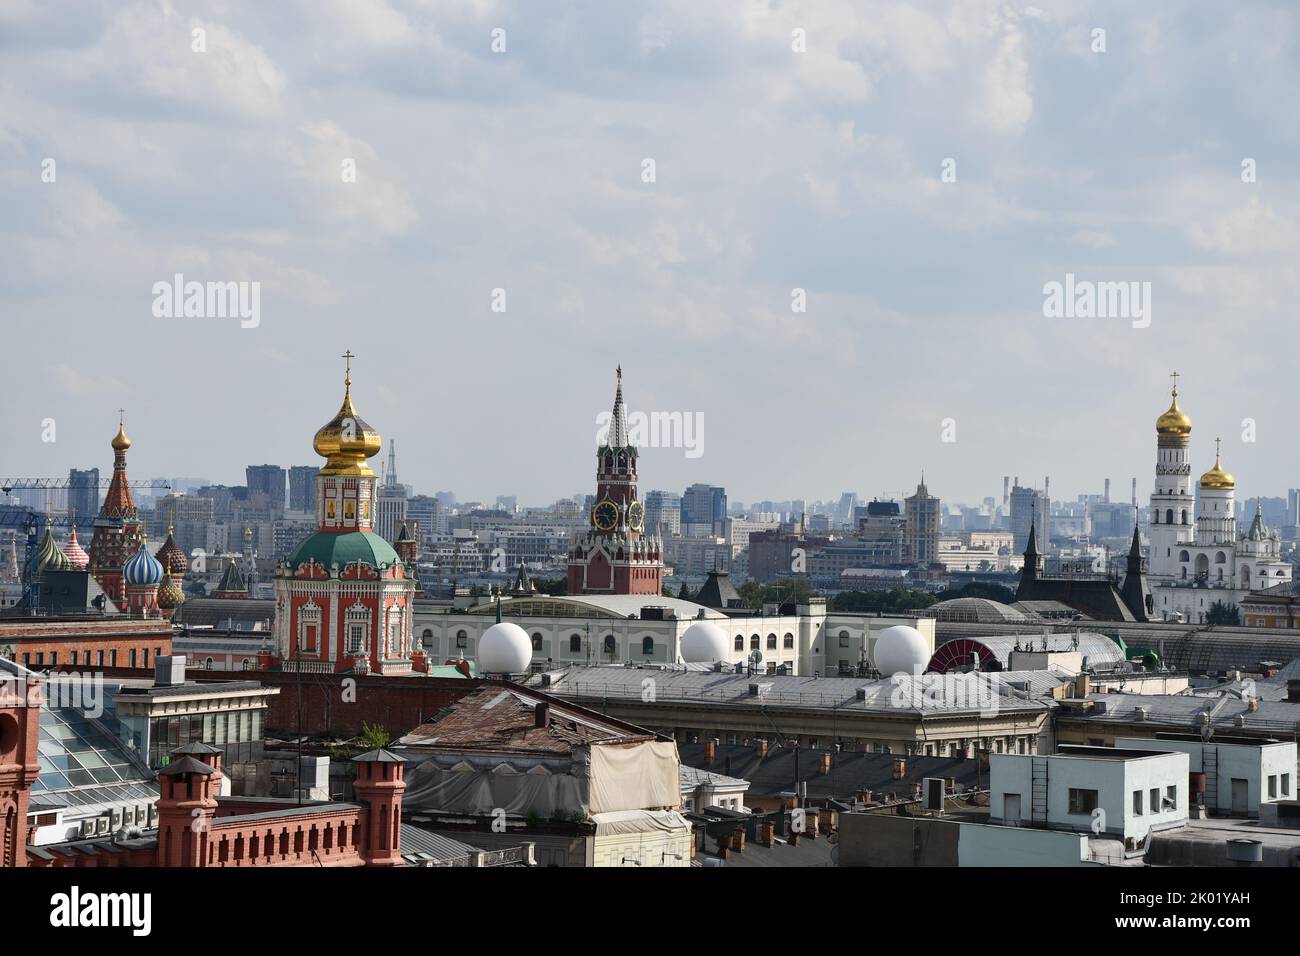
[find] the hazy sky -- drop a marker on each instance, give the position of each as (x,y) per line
(774,170)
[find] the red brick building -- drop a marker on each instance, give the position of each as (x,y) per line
(85,642)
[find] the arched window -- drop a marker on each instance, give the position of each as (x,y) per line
(844,638)
(611,646)
(648,646)
(1220,557)
(1155,517)
(1184,556)
(207,664)
(771,642)
(427,637)
(753,642)
(1169,516)
(575,644)
(788,640)
(462,639)
(537,642)
(1184,516)
(740,642)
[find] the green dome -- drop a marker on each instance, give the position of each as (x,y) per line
(328,548)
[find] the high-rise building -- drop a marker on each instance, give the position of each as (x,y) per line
(267,480)
(390,500)
(83,493)
(663,512)
(922,515)
(302,488)
(1029,509)
(704,510)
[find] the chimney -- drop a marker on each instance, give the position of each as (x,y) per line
(738,841)
(1252,705)
(952,784)
(767,833)
(724,846)
(1293,691)
(826,762)
(760,747)
(916,791)
(711,750)
(900,768)
(542,714)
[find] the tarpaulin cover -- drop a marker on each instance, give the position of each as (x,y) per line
(634,776)
(482,791)
(639,821)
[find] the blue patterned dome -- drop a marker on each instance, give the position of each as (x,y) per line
(142,568)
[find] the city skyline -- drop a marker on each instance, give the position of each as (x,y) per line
(775,171)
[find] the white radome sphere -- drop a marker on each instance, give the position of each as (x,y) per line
(901,648)
(703,643)
(504,648)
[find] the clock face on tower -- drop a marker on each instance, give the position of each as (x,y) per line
(635,515)
(605,515)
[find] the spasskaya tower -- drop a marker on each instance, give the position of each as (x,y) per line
(615,555)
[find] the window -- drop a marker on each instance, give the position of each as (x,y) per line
(1082,801)
(1171,797)
(648,646)
(844,638)
(771,642)
(575,644)
(1286,785)
(462,640)
(788,641)
(1155,799)
(1137,803)
(356,638)
(1272,786)
(537,642)
(427,637)
(611,646)
(753,643)
(740,642)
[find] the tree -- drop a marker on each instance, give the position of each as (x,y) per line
(374,736)
(1221,613)
(555,587)
(684,592)
(892,601)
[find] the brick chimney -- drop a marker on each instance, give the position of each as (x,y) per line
(711,750)
(738,841)
(767,833)
(542,714)
(187,803)
(826,762)
(760,746)
(900,768)
(379,784)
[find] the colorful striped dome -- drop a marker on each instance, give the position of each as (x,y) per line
(170,594)
(76,554)
(142,568)
(171,556)
(49,556)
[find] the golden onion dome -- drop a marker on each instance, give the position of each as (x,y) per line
(1175,421)
(1217,478)
(120,441)
(346,441)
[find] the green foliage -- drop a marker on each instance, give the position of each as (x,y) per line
(893,601)
(555,587)
(755,595)
(980,589)
(1220,613)
(374,736)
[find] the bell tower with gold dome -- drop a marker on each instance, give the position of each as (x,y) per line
(345,597)
(1173,501)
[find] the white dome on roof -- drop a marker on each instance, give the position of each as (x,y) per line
(504,648)
(901,648)
(703,643)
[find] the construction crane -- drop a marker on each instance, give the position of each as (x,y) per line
(56,484)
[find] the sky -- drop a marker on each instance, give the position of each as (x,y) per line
(914,174)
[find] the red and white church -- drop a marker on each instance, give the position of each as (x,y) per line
(344,599)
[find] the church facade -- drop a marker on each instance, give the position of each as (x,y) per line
(1197,557)
(343,599)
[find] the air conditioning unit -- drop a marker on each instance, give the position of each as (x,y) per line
(88,827)
(103,825)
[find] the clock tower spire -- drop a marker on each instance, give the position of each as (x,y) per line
(615,555)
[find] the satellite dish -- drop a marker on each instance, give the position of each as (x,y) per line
(756,656)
